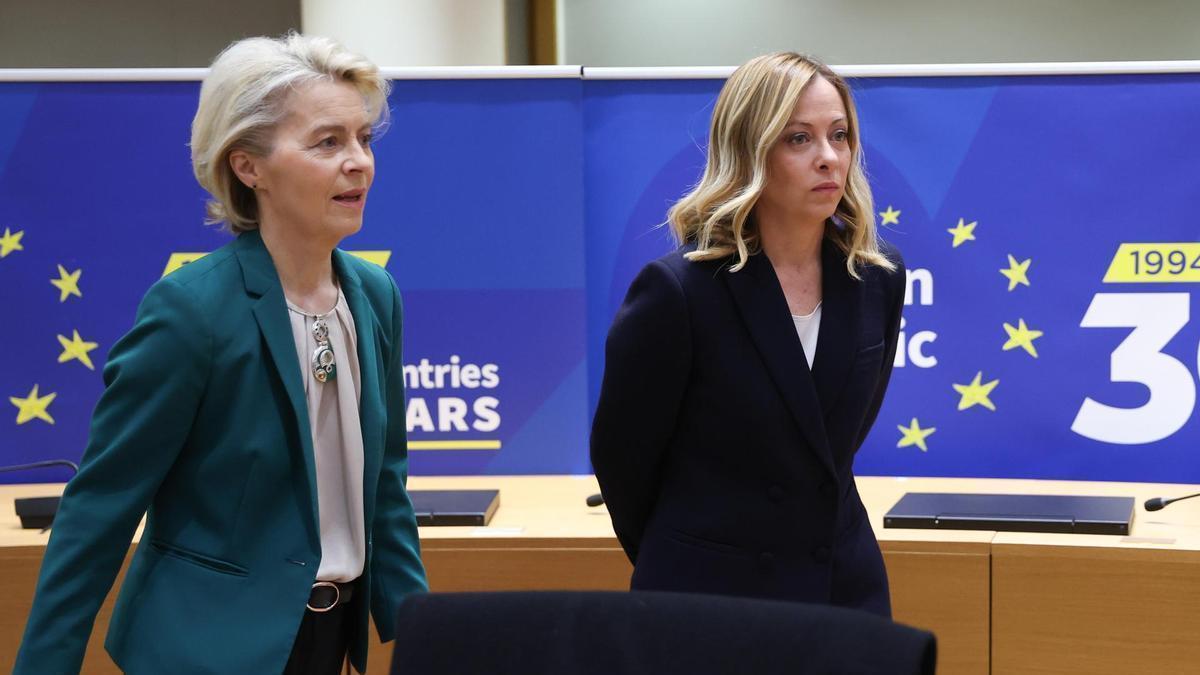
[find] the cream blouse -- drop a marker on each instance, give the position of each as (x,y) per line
(337,440)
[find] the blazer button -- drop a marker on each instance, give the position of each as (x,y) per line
(821,554)
(775,493)
(766,561)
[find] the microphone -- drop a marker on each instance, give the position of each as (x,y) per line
(595,500)
(38,512)
(1159,502)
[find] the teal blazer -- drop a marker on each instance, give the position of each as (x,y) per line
(203,427)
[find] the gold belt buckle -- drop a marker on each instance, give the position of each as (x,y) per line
(337,596)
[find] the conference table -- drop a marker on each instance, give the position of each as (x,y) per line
(999,602)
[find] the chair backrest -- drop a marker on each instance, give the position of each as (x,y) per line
(600,633)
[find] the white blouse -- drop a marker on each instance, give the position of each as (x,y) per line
(807,327)
(337,440)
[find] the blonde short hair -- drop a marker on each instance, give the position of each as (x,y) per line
(751,112)
(244,98)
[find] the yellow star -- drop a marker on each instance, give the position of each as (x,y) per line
(890,217)
(963,232)
(67,284)
(1021,336)
(913,434)
(976,393)
(1016,272)
(76,348)
(33,406)
(11,241)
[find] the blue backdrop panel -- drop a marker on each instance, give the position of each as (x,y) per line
(481,199)
(478,199)
(1056,172)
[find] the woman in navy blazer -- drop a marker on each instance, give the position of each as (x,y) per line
(255,412)
(744,370)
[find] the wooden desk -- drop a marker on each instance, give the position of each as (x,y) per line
(999,602)
(1063,603)
(1095,604)
(939,579)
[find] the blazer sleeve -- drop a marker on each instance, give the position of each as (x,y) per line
(154,379)
(647,362)
(396,568)
(896,284)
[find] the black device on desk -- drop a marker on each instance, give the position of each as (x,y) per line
(37,513)
(454,507)
(1012,513)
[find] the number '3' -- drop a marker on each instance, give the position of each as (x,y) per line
(1155,319)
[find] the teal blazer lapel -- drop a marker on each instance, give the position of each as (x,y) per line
(370,405)
(270,311)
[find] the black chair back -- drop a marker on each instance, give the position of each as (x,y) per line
(596,633)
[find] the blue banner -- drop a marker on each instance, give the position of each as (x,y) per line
(476,211)
(1047,225)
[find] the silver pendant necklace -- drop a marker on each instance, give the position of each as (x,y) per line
(324,367)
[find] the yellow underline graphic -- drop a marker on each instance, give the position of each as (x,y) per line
(179,259)
(454,445)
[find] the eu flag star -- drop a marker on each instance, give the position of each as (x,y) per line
(963,232)
(33,406)
(976,393)
(913,434)
(890,217)
(11,241)
(1017,272)
(76,348)
(67,283)
(1021,336)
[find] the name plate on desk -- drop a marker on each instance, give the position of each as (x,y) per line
(454,507)
(1012,513)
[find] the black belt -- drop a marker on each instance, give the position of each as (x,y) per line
(326,595)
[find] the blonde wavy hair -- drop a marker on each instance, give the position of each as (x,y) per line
(751,112)
(244,98)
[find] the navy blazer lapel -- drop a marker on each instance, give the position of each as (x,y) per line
(841,298)
(764,310)
(270,311)
(370,407)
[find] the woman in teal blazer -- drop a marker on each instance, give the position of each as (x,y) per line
(205,421)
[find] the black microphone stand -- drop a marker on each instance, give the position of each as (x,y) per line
(1159,502)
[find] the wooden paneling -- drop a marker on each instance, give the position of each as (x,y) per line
(479,565)
(18,577)
(944,588)
(1065,609)
(525,569)
(543,32)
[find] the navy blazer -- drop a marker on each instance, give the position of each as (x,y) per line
(725,462)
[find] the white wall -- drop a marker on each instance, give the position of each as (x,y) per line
(149,33)
(413,32)
(728,32)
